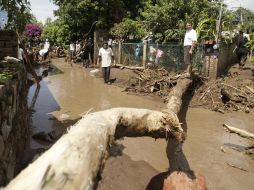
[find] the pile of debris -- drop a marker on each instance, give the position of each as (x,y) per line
(234,92)
(157,81)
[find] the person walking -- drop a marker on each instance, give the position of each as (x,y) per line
(45,51)
(105,58)
(190,40)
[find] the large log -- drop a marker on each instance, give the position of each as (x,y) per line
(74,161)
(175,96)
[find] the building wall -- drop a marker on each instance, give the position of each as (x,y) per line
(8,44)
(217,64)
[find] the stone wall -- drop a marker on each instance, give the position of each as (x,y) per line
(14,124)
(14,115)
(8,44)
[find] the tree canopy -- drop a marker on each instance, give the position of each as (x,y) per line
(18,13)
(82,16)
(165,19)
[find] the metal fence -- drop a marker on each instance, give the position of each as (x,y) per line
(168,55)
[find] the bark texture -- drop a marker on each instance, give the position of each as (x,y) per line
(175,96)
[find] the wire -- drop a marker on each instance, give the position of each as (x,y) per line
(90,29)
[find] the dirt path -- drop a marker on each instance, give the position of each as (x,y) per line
(135,161)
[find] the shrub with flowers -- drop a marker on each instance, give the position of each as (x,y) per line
(33,30)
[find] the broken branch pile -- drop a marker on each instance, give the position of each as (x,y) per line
(234,92)
(158,81)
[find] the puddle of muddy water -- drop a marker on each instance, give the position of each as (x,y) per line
(64,97)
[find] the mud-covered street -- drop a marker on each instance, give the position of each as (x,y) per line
(209,149)
(126,95)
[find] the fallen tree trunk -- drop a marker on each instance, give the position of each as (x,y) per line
(128,67)
(240,132)
(175,96)
(75,160)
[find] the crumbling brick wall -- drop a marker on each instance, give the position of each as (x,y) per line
(8,44)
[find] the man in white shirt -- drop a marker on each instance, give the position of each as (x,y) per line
(44,52)
(21,54)
(189,44)
(78,47)
(105,57)
(72,51)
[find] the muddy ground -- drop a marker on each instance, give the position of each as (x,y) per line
(134,161)
(209,149)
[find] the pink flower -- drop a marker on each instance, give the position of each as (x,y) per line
(33,30)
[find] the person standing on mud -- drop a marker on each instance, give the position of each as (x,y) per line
(241,49)
(21,54)
(85,54)
(190,40)
(78,47)
(105,58)
(72,51)
(91,49)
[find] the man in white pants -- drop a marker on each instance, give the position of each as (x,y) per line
(189,44)
(105,57)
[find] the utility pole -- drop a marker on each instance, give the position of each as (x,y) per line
(241,15)
(218,25)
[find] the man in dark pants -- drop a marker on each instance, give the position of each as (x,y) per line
(241,49)
(105,57)
(86,50)
(190,40)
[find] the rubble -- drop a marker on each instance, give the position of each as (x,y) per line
(233,92)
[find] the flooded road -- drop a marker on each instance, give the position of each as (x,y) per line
(135,161)
(74,92)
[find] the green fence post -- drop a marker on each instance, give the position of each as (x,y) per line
(144,54)
(120,51)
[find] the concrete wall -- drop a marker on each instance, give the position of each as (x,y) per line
(217,63)
(226,58)
(8,44)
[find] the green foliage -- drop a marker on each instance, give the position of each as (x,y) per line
(128,27)
(250,44)
(206,29)
(56,32)
(18,13)
(166,18)
(80,15)
(5,76)
(246,16)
